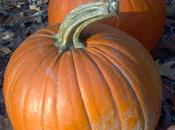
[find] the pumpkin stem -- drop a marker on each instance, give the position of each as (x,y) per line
(81,17)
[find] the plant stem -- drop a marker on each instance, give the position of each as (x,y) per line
(81,17)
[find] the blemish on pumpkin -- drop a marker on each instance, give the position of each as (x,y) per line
(107,122)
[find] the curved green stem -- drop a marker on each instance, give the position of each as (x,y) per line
(81,17)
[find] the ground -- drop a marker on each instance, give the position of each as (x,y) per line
(20,18)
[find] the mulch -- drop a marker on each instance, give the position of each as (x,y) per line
(20,18)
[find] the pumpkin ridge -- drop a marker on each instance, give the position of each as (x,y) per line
(95,45)
(40,35)
(57,63)
(27,50)
(121,74)
(16,68)
(29,79)
(45,88)
(11,90)
(54,27)
(56,101)
(119,50)
(153,99)
(86,111)
(14,73)
(44,32)
(141,107)
(126,55)
(112,36)
(113,100)
(150,95)
(37,41)
(25,97)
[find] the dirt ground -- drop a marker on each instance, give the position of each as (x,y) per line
(20,18)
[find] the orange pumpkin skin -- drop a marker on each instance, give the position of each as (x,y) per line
(142,19)
(109,85)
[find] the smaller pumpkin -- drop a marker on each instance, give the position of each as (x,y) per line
(55,81)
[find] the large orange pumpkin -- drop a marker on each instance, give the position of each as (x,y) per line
(142,19)
(108,83)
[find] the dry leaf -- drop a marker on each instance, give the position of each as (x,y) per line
(4,123)
(34,7)
(7,35)
(171,127)
(167,69)
(5,50)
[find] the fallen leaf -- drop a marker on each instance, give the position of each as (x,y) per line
(167,69)
(171,127)
(34,7)
(7,35)
(4,123)
(5,50)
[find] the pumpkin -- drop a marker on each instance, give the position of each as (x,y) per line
(55,81)
(142,19)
